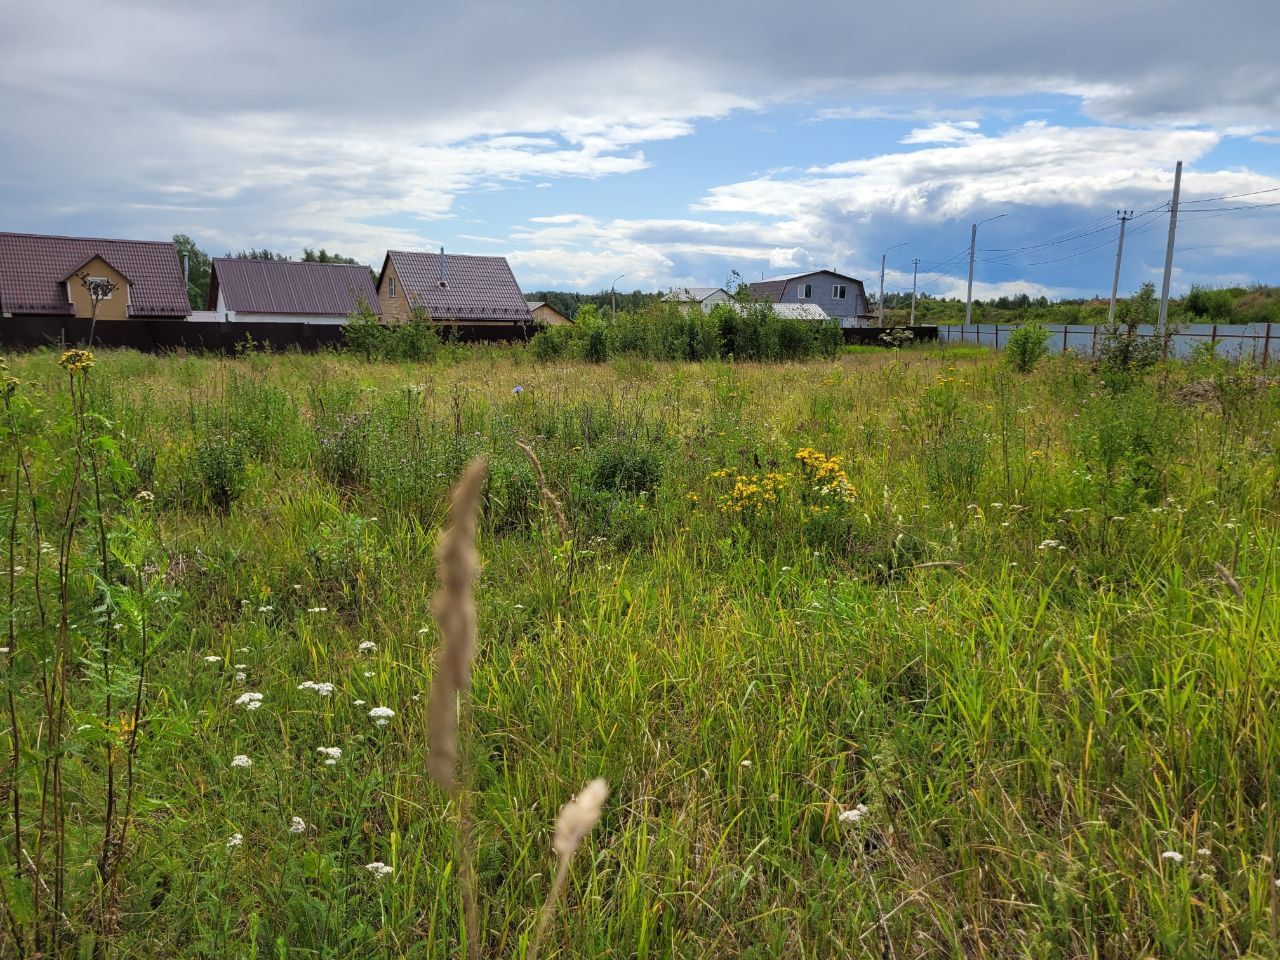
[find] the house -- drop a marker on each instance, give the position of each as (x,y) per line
(545,315)
(44,281)
(704,297)
(287,291)
(839,296)
(477,297)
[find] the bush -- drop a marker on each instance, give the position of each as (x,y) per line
(551,344)
(219,463)
(625,469)
(1027,346)
(1124,349)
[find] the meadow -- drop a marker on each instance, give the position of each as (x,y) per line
(899,653)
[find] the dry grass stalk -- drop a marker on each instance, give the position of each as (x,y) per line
(577,817)
(549,499)
(454,607)
(1229,579)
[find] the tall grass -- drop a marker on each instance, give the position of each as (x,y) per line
(896,653)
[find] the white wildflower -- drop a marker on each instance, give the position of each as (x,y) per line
(240,666)
(1173,856)
(266,609)
(250,701)
(240,677)
(367,646)
(331,755)
(854,815)
(235,840)
(745,763)
(359,703)
(378,869)
(241,761)
(324,689)
(1049,544)
(367,674)
(381,715)
(212,659)
(297,825)
(317,609)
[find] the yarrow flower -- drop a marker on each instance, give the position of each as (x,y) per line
(235,840)
(1173,856)
(324,689)
(854,815)
(145,496)
(212,659)
(316,609)
(378,869)
(250,701)
(297,825)
(367,646)
(331,755)
(241,761)
(381,715)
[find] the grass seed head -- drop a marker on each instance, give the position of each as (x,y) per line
(578,816)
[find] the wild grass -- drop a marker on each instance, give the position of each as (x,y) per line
(989,670)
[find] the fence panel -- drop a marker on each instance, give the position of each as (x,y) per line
(1241,341)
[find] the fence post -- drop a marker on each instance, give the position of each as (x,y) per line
(1064,339)
(1093,344)
(1266,346)
(1213,336)
(997,336)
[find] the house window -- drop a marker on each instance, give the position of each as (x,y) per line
(101,288)
(806,291)
(837,291)
(391,286)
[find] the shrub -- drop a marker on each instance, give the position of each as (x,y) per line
(1125,350)
(625,469)
(1027,346)
(551,344)
(219,463)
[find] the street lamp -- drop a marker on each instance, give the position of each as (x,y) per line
(973,240)
(882,259)
(613,290)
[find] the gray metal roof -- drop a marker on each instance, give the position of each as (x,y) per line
(474,288)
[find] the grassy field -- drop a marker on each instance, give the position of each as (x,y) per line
(900,654)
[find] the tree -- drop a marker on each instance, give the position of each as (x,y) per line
(323,256)
(251,254)
(198,267)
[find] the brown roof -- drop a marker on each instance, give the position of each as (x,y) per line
(33,269)
(290,287)
(773,288)
(476,288)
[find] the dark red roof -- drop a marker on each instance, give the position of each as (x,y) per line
(33,268)
(476,288)
(295,288)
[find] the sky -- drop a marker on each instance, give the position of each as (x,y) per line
(664,143)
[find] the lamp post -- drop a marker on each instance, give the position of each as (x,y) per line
(973,241)
(613,291)
(883,257)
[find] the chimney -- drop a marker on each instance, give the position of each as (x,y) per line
(186,268)
(442,266)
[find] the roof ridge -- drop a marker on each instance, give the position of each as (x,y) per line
(61,236)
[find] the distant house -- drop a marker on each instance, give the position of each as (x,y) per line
(287,291)
(839,296)
(477,296)
(704,297)
(545,315)
(41,280)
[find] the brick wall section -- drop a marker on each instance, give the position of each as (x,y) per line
(397,309)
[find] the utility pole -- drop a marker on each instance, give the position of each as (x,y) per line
(1168,253)
(613,293)
(1125,216)
(973,243)
(882,259)
(915,272)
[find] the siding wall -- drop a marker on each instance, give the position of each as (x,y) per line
(117,308)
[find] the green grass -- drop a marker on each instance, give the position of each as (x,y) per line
(1000,628)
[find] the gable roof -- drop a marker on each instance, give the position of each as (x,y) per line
(693,294)
(294,288)
(34,268)
(774,287)
(88,260)
(476,288)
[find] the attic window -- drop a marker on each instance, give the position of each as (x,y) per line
(806,291)
(837,291)
(101,288)
(391,286)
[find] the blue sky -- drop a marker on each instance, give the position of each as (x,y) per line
(670,144)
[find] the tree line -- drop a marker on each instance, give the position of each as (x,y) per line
(200,264)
